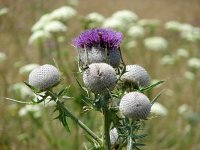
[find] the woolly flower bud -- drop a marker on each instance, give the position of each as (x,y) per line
(63,13)
(95,55)
(55,26)
(114,136)
(44,77)
(100,77)
(137,75)
(155,43)
(135,105)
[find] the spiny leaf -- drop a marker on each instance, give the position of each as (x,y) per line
(35,90)
(151,86)
(156,98)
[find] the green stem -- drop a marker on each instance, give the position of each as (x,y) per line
(107,144)
(74,118)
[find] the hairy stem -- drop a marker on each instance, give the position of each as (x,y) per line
(107,144)
(74,118)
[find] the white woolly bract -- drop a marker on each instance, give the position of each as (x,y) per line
(100,77)
(95,55)
(136,75)
(44,77)
(114,136)
(135,105)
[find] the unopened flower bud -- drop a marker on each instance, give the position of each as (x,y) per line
(114,137)
(137,75)
(44,77)
(135,105)
(100,77)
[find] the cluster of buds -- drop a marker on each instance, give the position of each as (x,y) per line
(103,68)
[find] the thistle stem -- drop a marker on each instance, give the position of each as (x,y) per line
(106,114)
(74,118)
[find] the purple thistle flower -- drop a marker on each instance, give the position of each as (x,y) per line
(98,38)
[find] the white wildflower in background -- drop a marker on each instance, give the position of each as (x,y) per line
(38,36)
(34,110)
(39,25)
(194,63)
(20,90)
(181,52)
(3,57)
(186,111)
(168,60)
(25,70)
(152,23)
(191,35)
(95,17)
(185,27)
(55,27)
(63,13)
(131,44)
(43,77)
(125,16)
(3,11)
(114,24)
(184,108)
(189,75)
(155,43)
(159,109)
(172,26)
(136,31)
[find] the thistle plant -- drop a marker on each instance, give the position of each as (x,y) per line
(104,73)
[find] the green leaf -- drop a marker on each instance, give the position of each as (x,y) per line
(151,86)
(156,98)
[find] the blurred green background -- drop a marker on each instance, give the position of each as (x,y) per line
(174,57)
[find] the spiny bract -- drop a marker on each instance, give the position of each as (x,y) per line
(100,77)
(135,105)
(44,77)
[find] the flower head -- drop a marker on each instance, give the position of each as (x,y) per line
(44,77)
(99,37)
(100,77)
(135,105)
